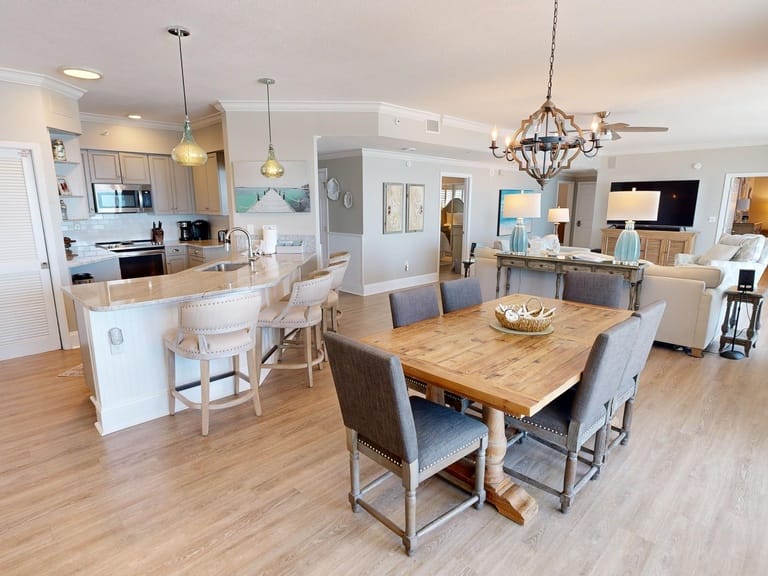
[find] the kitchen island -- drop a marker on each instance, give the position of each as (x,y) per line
(121,324)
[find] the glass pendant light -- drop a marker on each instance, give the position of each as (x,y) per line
(187,152)
(271,168)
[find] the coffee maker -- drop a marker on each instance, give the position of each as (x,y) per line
(185,230)
(201,230)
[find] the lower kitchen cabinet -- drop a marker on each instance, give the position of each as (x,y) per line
(198,255)
(176,259)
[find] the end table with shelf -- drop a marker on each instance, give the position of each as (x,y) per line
(731,335)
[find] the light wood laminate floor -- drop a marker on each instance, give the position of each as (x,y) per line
(688,495)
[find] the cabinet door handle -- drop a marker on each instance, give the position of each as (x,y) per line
(43,265)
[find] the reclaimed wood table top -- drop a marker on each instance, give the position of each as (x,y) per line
(517,374)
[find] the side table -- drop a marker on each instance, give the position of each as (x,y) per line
(467,265)
(731,335)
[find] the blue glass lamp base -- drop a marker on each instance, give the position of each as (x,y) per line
(518,241)
(627,246)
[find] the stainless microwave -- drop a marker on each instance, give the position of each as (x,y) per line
(121,198)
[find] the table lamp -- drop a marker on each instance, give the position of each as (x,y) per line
(557,216)
(630,206)
(521,206)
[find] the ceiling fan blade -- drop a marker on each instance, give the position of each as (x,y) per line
(640,128)
(615,126)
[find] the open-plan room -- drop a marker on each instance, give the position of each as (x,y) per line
(400,288)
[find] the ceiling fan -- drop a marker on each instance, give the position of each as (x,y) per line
(610,131)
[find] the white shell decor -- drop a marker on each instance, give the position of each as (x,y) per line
(528,317)
(517,311)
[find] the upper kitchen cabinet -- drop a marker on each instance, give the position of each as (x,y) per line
(115,167)
(171,186)
(210,185)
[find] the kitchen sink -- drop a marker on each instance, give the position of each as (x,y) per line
(225,267)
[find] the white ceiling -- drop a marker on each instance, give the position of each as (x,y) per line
(699,67)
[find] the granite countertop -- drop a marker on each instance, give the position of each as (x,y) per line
(197,243)
(187,284)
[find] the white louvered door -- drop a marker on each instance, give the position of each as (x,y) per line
(28,322)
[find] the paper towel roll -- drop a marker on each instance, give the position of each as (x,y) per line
(269,239)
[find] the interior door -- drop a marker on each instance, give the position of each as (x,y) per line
(583,214)
(322,178)
(27,308)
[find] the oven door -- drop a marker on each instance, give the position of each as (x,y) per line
(139,264)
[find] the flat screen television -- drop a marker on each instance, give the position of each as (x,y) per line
(677,203)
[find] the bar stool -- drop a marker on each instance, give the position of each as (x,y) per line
(337,257)
(331,304)
(300,314)
(211,328)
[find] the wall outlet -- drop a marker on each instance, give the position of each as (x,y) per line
(406,266)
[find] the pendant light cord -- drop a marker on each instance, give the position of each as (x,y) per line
(552,53)
(269,116)
(183,83)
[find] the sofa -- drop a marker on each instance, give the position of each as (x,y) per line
(694,289)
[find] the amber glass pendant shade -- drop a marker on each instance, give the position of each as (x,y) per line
(188,152)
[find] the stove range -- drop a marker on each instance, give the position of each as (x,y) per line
(130,245)
(138,258)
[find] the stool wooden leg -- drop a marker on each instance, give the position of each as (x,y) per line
(308,349)
(334,319)
(205,393)
(236,369)
(253,376)
(170,364)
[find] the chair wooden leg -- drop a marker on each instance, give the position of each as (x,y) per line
(480,474)
(170,364)
(308,352)
(626,425)
(253,376)
(569,479)
(354,470)
(410,539)
(205,393)
(334,319)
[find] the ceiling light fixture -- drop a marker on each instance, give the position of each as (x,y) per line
(134,116)
(548,140)
(187,152)
(81,73)
(271,168)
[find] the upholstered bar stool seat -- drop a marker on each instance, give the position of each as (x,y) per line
(209,329)
(301,313)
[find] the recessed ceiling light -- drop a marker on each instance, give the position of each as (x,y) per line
(134,116)
(81,73)
(408,149)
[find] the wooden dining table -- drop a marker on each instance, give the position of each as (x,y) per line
(468,353)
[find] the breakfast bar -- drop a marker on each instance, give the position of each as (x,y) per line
(121,325)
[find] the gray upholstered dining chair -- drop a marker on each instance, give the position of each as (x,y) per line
(413,305)
(411,437)
(460,293)
(581,413)
(593,288)
(650,318)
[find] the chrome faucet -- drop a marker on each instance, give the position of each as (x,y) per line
(252,256)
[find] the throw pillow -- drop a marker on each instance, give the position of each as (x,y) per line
(718,252)
(750,246)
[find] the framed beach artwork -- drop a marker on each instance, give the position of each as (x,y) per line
(256,194)
(414,207)
(393,207)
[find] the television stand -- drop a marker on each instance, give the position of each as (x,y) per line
(657,246)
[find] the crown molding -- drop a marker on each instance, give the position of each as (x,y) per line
(41,81)
(209,120)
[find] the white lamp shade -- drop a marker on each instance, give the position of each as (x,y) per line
(742,204)
(522,205)
(558,215)
(633,205)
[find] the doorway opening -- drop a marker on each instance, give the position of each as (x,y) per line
(454,192)
(745,204)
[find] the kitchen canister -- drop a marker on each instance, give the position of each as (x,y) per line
(59,152)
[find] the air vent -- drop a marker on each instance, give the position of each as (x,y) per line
(432,126)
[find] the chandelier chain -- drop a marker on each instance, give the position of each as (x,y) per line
(552,53)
